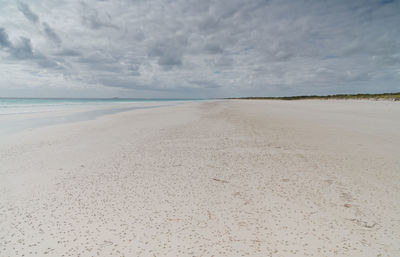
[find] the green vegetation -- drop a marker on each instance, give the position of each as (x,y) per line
(386,96)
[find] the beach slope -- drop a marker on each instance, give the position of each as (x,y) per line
(213,178)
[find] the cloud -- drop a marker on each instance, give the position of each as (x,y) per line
(94,20)
(205,83)
(51,34)
(4,41)
(213,48)
(68,52)
(169,51)
(23,50)
(28,13)
(208,48)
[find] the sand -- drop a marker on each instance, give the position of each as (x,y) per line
(216,178)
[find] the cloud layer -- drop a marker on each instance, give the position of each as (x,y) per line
(208,48)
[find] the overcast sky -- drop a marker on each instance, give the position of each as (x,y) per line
(201,48)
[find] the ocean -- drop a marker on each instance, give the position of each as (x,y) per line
(18,114)
(29,105)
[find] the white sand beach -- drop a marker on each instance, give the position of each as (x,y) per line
(212,178)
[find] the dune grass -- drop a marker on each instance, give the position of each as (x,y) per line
(385,96)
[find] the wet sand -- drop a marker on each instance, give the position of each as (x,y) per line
(217,178)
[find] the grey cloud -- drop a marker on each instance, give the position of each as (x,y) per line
(94,20)
(68,52)
(4,41)
(133,70)
(189,47)
(389,60)
(106,67)
(98,57)
(205,84)
(23,50)
(169,52)
(28,13)
(224,61)
(107,63)
(139,36)
(209,24)
(168,60)
(213,48)
(125,83)
(51,34)
(45,62)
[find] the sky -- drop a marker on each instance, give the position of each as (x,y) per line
(198,48)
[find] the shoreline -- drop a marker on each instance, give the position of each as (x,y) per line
(54,115)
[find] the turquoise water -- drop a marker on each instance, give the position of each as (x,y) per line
(18,114)
(87,100)
(28,105)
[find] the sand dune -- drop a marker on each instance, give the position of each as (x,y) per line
(216,178)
